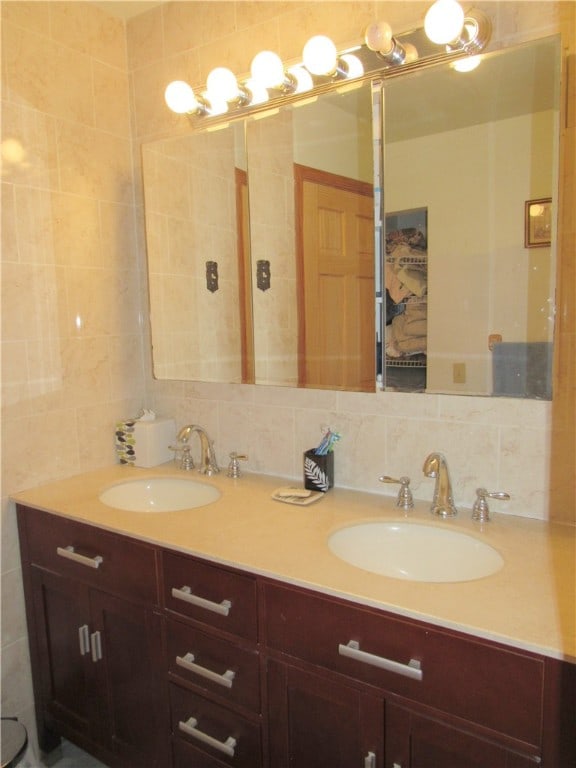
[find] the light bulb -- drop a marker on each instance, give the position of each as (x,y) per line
(411,53)
(355,66)
(258,91)
(217,105)
(468,64)
(267,69)
(222,85)
(378,37)
(444,21)
(320,55)
(180,97)
(303,79)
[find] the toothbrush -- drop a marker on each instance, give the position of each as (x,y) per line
(327,443)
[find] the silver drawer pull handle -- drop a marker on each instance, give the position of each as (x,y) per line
(187,662)
(352,650)
(96,646)
(189,727)
(84,638)
(69,554)
(185,593)
(370,760)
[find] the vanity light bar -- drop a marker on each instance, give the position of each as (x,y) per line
(273,83)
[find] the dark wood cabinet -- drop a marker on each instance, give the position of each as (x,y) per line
(62,620)
(415,741)
(446,699)
(97,656)
(318,722)
(130,681)
(213,664)
(149,658)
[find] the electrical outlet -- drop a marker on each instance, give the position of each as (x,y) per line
(459,373)
(494,338)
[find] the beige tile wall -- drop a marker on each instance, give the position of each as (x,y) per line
(71,299)
(75,353)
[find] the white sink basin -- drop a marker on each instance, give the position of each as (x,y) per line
(159,494)
(415,552)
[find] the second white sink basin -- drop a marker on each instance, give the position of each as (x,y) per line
(415,552)
(159,494)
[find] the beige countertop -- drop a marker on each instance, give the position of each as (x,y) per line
(530,603)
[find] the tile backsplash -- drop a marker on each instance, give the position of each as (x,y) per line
(490,443)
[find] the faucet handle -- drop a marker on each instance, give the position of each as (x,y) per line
(234,466)
(405,499)
(480,511)
(185,460)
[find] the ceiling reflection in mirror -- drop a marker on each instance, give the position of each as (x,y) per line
(261,237)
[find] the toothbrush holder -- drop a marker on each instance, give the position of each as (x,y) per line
(318,471)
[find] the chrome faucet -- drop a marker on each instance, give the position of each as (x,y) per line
(436,466)
(208,464)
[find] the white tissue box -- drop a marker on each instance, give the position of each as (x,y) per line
(145,443)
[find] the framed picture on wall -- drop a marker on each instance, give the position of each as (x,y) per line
(537,222)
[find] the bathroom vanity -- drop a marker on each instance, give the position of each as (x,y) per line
(206,638)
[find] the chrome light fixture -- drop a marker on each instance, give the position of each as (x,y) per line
(378,37)
(448,35)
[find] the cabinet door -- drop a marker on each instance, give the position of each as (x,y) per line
(66,675)
(414,741)
(134,721)
(316,722)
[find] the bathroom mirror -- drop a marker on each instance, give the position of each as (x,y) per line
(226,214)
(198,247)
(469,307)
(310,175)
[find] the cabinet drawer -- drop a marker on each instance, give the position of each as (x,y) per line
(108,561)
(213,664)
(214,731)
(464,677)
(209,594)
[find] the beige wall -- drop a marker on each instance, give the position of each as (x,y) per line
(75,352)
(71,299)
